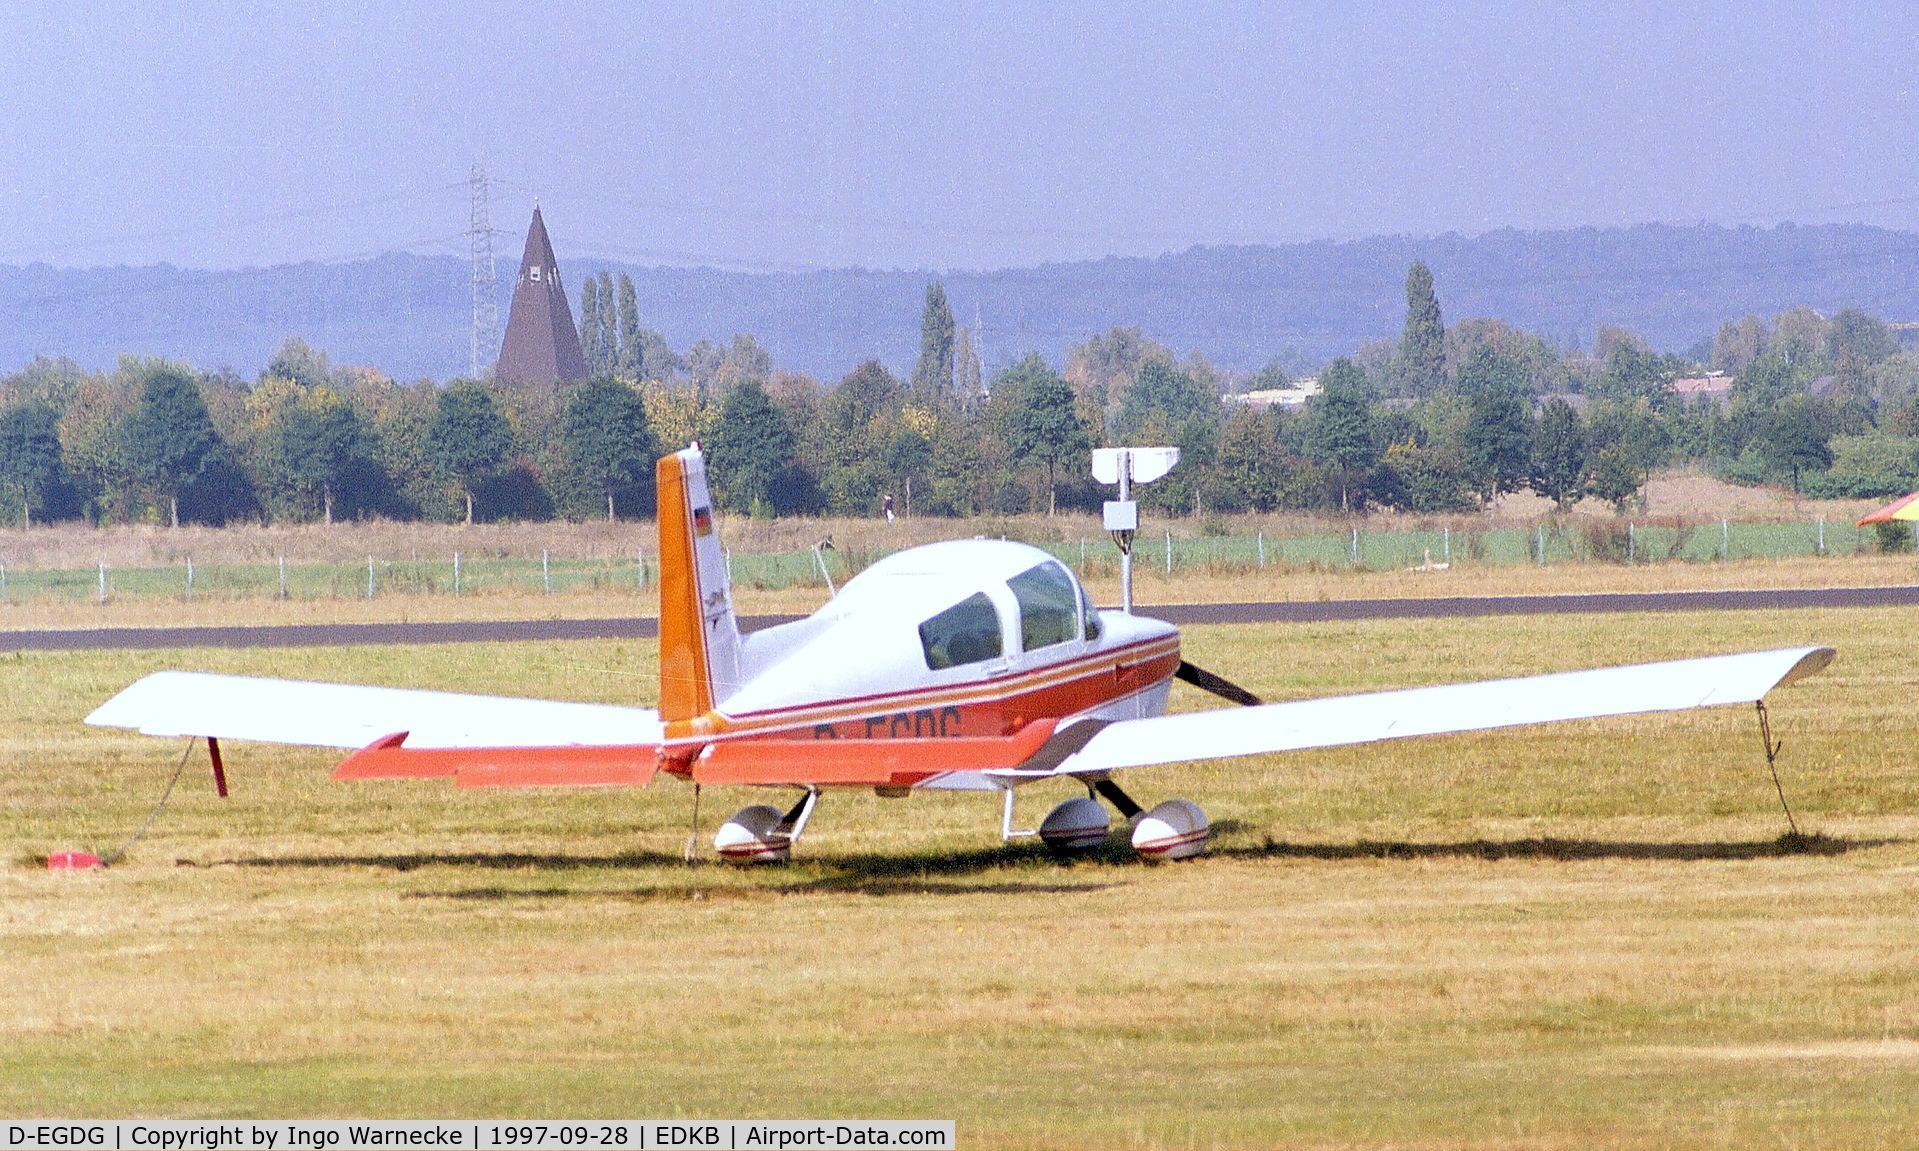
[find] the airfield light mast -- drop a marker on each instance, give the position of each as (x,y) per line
(1126,467)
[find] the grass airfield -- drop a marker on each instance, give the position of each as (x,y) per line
(1591,934)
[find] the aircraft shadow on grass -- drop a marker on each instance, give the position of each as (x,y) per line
(1567,850)
(856,874)
(1021,869)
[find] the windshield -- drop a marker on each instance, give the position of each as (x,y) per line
(1048,606)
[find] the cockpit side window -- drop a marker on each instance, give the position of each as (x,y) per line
(1048,606)
(967,632)
(1089,615)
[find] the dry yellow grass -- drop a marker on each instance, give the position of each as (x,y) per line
(1587,935)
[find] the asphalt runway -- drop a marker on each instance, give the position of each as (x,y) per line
(1286,611)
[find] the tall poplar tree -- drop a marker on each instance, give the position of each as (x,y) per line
(632,362)
(1422,349)
(968,381)
(590,323)
(609,329)
(934,374)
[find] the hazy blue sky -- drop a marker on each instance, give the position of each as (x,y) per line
(940,136)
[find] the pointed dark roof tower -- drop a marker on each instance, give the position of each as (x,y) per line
(541,344)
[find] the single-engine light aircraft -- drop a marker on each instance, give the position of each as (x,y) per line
(972,665)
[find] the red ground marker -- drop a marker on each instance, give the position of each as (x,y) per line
(72,860)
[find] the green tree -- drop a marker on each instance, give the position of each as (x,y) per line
(1623,444)
(702,363)
(1872,466)
(1250,464)
(655,358)
(590,323)
(751,450)
(300,362)
(632,363)
(908,457)
(846,442)
(1040,423)
(1634,372)
(1164,391)
(1859,336)
(1796,438)
(1422,347)
(1799,337)
(1104,367)
(1498,442)
(1763,384)
(609,329)
(1425,480)
(1559,455)
(1856,342)
(169,441)
(968,383)
(933,375)
(322,445)
(745,359)
(470,438)
(32,476)
(1736,345)
(1339,427)
(606,440)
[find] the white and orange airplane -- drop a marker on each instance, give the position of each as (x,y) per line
(973,665)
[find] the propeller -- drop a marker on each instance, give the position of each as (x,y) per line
(1220,686)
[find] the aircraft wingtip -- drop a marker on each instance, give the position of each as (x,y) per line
(1810,664)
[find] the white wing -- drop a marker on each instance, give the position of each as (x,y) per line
(1340,720)
(347,715)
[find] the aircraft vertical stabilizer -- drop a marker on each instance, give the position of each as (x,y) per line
(699,636)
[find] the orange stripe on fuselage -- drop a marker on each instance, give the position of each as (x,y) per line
(976,710)
(685,691)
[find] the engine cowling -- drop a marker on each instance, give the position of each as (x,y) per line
(753,835)
(1176,829)
(1075,827)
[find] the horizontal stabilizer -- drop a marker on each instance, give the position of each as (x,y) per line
(180,703)
(863,762)
(1676,685)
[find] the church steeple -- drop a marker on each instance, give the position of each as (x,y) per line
(541,344)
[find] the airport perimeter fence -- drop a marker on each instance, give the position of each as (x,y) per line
(1155,555)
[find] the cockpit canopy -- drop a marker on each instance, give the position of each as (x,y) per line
(1050,608)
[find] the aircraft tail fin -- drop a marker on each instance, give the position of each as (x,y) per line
(699,635)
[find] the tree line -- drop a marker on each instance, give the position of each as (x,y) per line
(1441,420)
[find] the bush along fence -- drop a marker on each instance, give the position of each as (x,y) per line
(1161,555)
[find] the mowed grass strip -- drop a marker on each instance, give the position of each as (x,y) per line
(1585,935)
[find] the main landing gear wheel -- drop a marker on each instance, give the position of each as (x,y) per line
(762,833)
(1176,829)
(1075,827)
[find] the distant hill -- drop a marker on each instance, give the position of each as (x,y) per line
(1240,306)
